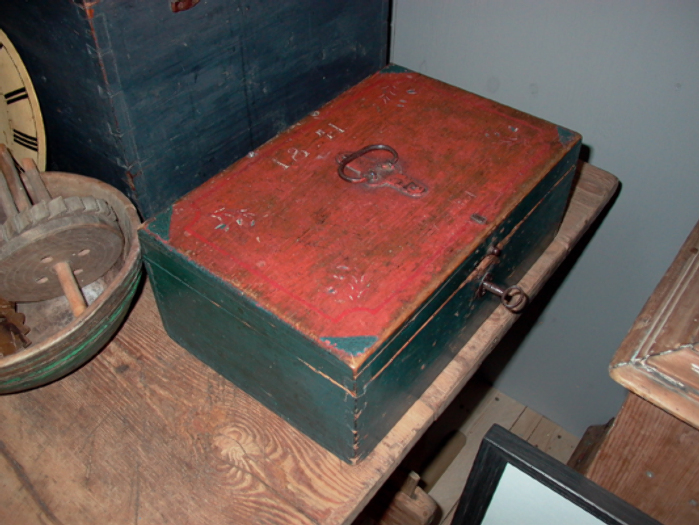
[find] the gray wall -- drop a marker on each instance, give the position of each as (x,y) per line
(625,74)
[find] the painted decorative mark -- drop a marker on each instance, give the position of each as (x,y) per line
(565,136)
(331,133)
(506,138)
(240,217)
(352,345)
(388,93)
(349,286)
(295,155)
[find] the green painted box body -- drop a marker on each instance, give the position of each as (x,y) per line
(336,300)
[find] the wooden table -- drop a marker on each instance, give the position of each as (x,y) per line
(145,433)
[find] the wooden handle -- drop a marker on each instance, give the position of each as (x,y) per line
(13,181)
(70,287)
(410,484)
(36,185)
(6,200)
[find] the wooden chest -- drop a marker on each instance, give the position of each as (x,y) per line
(156,96)
(332,281)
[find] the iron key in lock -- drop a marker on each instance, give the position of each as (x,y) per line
(512,298)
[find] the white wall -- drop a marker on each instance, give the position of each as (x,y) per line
(625,74)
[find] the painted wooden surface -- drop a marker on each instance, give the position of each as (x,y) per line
(146,431)
(372,253)
(352,273)
(659,358)
(651,460)
(155,102)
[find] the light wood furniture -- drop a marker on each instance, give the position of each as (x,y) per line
(650,457)
(659,358)
(651,460)
(145,433)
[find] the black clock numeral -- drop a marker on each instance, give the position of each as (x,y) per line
(16,95)
(25,140)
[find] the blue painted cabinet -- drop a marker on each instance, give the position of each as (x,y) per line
(154,98)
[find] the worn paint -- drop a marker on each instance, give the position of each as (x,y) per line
(177,97)
(160,225)
(329,262)
(73,356)
(352,345)
(566,136)
(307,215)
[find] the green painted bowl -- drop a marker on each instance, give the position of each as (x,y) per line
(60,342)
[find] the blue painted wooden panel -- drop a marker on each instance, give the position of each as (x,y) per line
(156,102)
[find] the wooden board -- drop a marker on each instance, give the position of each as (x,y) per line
(651,460)
(145,433)
(659,358)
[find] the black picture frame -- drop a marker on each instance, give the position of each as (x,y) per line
(500,448)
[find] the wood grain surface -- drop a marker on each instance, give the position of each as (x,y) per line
(145,433)
(651,460)
(659,358)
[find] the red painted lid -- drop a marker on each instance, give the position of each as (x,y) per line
(337,259)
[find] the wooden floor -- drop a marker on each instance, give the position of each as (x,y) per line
(444,457)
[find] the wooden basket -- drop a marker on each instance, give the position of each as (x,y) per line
(60,342)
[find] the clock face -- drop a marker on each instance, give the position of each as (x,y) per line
(21,125)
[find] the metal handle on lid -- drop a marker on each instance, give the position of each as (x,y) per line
(360,153)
